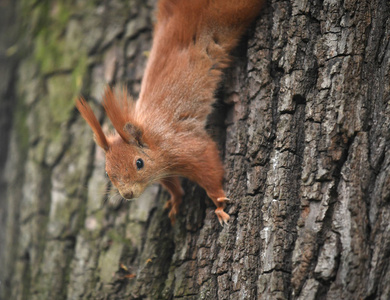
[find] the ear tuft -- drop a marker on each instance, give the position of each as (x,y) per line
(88,115)
(117,111)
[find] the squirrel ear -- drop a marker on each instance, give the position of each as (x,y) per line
(136,133)
(89,116)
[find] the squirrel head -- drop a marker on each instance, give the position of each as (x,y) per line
(130,167)
(131,163)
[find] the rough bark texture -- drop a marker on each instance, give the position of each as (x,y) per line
(303,123)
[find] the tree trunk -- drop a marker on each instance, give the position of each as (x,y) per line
(303,124)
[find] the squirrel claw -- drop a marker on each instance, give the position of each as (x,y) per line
(223,199)
(222,216)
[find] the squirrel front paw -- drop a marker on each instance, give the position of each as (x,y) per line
(222,216)
(173,205)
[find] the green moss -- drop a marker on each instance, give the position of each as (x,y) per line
(49,49)
(57,45)
(64,13)
(34,14)
(44,13)
(79,72)
(60,97)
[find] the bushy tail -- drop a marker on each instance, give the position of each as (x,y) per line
(191,46)
(207,21)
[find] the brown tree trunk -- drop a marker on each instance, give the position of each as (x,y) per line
(303,122)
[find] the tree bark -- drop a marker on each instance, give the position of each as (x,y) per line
(303,124)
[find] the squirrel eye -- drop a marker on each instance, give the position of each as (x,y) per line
(106,174)
(139,163)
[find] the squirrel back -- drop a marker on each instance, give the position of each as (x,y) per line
(191,46)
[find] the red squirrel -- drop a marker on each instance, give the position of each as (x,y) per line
(162,135)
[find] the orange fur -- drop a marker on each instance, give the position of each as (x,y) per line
(165,129)
(118,112)
(88,115)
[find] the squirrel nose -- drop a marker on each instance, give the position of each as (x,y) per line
(127,195)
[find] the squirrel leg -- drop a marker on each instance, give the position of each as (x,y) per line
(211,177)
(219,202)
(173,186)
